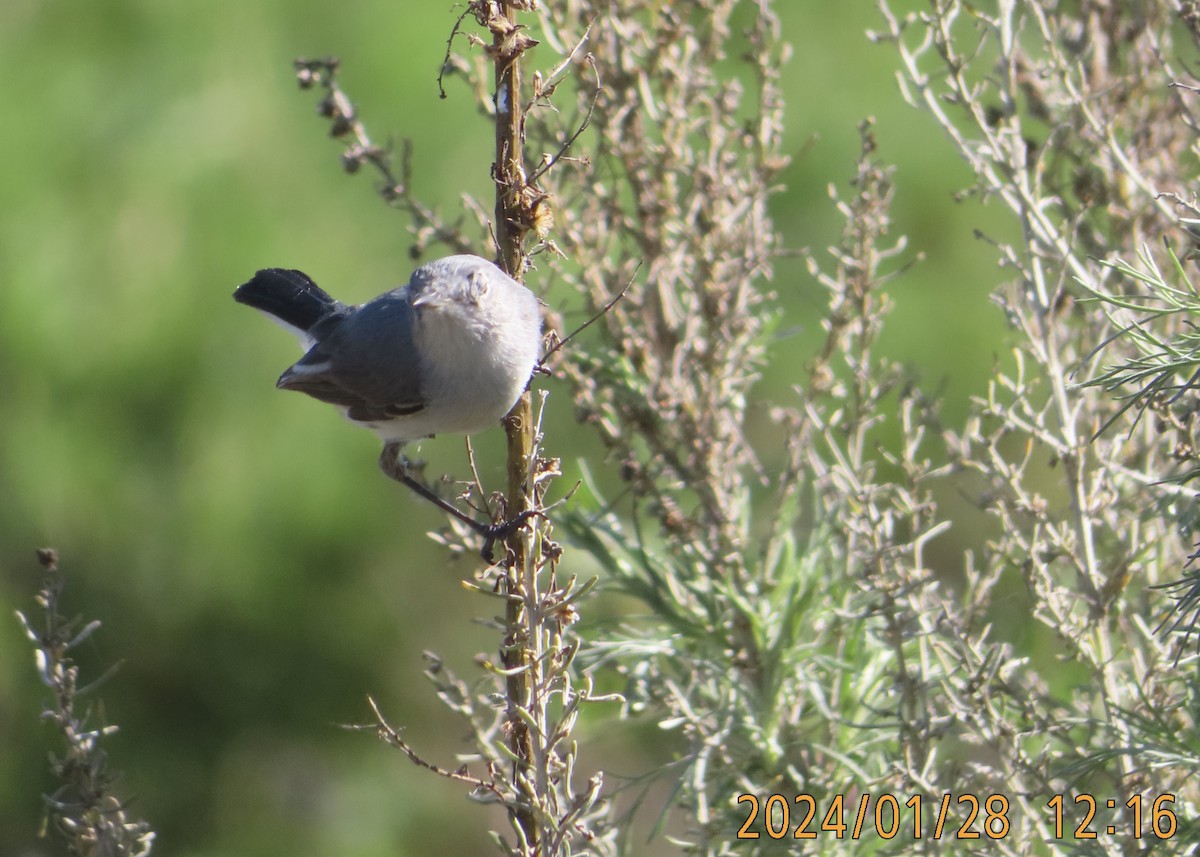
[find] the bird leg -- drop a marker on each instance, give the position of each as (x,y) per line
(395,466)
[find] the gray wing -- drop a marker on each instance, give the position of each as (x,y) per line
(364,361)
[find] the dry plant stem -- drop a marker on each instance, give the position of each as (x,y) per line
(518,651)
(525,755)
(395,189)
(84,811)
(1019,187)
(390,735)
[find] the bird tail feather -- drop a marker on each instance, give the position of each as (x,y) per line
(288,296)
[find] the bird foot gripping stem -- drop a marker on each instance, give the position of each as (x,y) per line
(396,467)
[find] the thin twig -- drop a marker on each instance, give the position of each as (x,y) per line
(449,48)
(587,120)
(603,311)
(391,736)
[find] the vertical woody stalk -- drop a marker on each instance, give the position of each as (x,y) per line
(519,582)
(527,759)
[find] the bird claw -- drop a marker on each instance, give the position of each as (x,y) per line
(396,466)
(500,532)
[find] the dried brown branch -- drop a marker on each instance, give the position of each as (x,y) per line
(85,811)
(395,188)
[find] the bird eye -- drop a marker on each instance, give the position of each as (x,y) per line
(477,285)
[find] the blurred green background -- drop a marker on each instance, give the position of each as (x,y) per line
(252,569)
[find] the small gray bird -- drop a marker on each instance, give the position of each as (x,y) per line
(449,352)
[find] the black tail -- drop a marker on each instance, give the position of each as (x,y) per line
(288,295)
